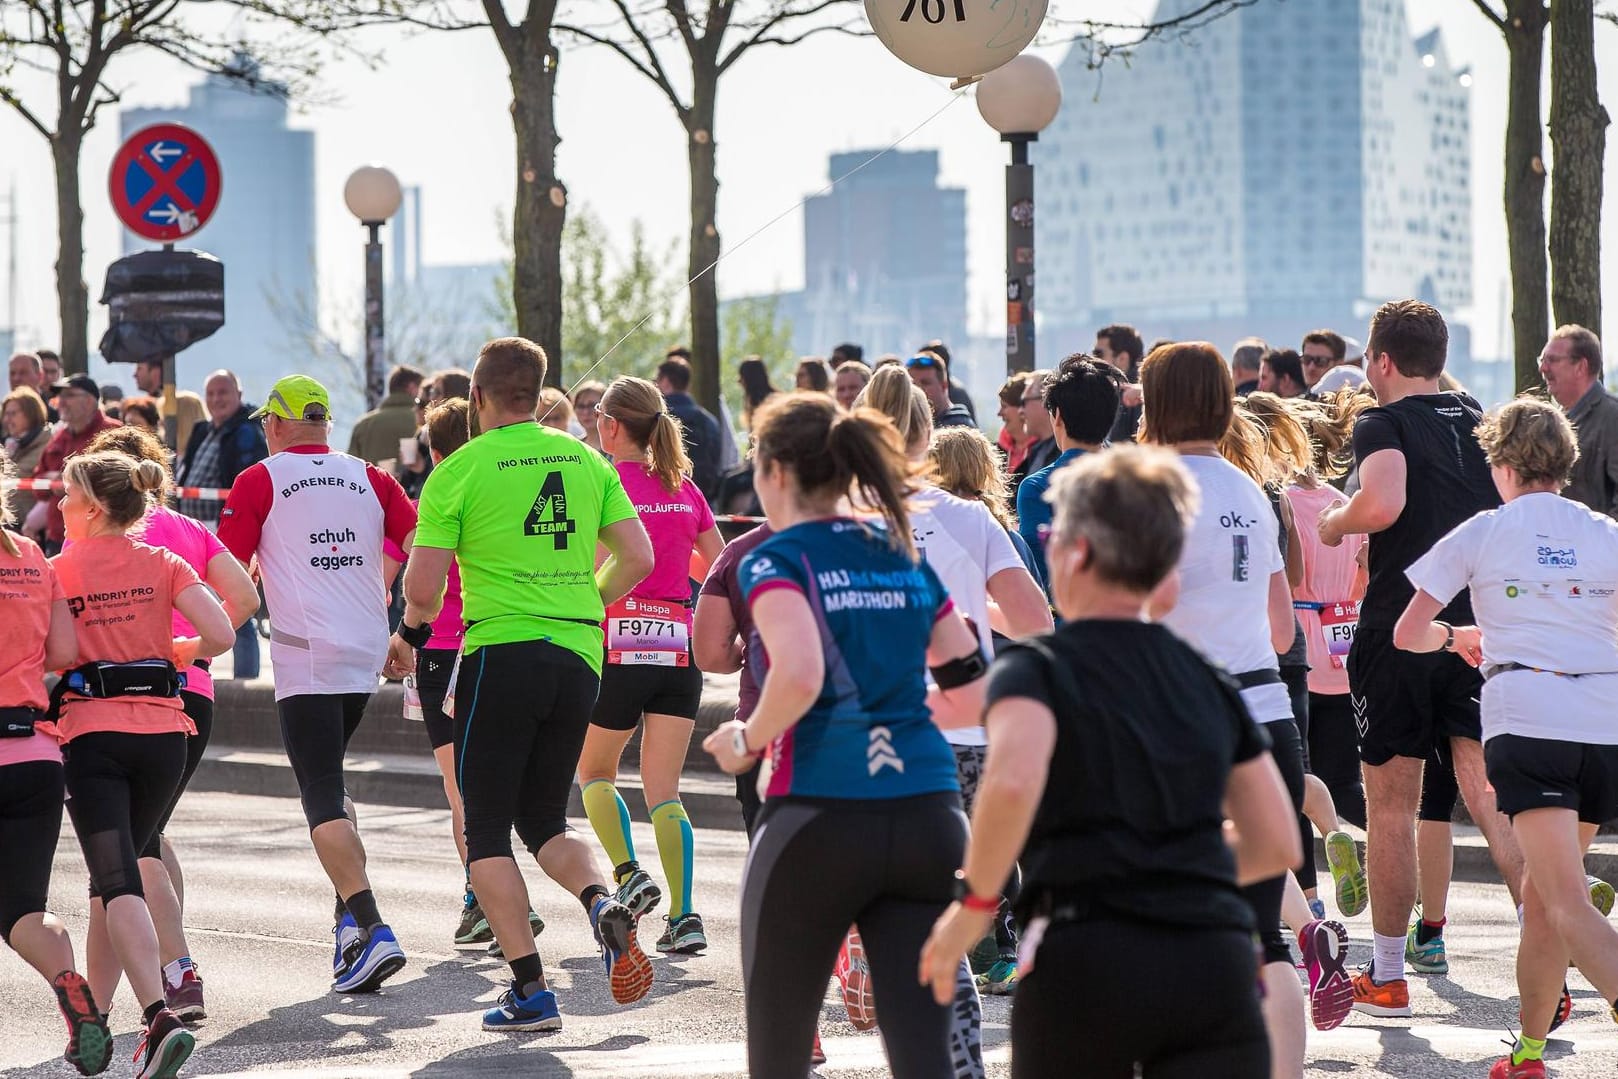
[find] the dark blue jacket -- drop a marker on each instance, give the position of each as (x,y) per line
(241,444)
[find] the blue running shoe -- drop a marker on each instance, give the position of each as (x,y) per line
(628,969)
(370,961)
(347,932)
(512,1012)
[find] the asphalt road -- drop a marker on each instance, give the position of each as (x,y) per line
(260,912)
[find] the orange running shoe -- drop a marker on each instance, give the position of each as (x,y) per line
(1389,1000)
(628,969)
(853,972)
(89,1043)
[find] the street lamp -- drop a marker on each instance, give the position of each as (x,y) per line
(1019,100)
(373,195)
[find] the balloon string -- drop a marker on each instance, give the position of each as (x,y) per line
(955,95)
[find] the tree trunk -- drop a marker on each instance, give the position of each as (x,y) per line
(72,294)
(541,208)
(1578,143)
(1525,188)
(704,246)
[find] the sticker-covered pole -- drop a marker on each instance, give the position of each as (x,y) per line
(1019,256)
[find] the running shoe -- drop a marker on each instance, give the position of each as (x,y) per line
(1428,958)
(1564,1009)
(347,931)
(1389,1000)
(369,961)
(89,1042)
(474,927)
(164,1046)
(1347,873)
(628,969)
(1601,895)
(513,1012)
(1000,980)
(984,955)
(683,935)
(853,972)
(185,999)
(1528,1069)
(1331,993)
(639,893)
(817,1055)
(535,923)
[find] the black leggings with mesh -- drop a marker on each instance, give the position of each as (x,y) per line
(817,867)
(30,821)
(119,786)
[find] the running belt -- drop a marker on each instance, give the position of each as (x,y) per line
(1502,668)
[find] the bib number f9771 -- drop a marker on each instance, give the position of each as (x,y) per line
(1337,622)
(646,632)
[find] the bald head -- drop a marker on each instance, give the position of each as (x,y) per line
(223,395)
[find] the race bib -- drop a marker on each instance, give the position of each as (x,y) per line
(1337,622)
(648,632)
(454,676)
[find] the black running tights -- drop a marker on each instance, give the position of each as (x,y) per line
(119,786)
(30,821)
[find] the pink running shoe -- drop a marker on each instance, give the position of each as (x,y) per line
(854,976)
(1331,992)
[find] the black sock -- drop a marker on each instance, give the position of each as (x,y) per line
(589,896)
(527,975)
(1427,931)
(362,905)
(621,873)
(151,1013)
(340,910)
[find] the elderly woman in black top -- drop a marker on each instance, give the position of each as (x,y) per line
(1117,753)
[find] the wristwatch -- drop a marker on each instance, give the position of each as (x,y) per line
(738,742)
(1449,635)
(415,636)
(964,896)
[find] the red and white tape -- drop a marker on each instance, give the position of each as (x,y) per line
(218,494)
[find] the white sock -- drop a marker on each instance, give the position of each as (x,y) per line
(174,972)
(1389,962)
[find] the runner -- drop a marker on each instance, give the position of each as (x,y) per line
(648,673)
(1550,669)
(1115,753)
(121,716)
(857,769)
(39,637)
(1421,473)
(160,874)
(316,520)
(520,509)
(1234,606)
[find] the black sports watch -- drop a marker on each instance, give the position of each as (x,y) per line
(415,636)
(1449,635)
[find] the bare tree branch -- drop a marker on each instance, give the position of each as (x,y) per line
(654,75)
(1490,14)
(762,31)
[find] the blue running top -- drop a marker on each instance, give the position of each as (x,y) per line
(870,733)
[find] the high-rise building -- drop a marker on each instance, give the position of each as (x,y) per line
(1290,168)
(263,231)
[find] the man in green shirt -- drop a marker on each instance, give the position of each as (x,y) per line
(520,508)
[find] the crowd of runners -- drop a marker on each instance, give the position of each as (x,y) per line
(1060,718)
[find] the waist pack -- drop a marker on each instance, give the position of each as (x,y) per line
(135,678)
(19,722)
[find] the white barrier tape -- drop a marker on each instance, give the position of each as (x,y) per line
(216,494)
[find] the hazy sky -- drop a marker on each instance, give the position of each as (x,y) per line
(435,111)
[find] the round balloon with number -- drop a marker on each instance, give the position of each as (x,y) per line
(955,38)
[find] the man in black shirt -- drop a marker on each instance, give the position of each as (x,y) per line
(1421,473)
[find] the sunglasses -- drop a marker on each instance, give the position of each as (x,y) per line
(922,361)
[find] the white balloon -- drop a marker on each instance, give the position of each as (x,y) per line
(955,38)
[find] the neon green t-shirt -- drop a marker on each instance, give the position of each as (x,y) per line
(521,507)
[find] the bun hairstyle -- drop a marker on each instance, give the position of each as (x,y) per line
(137,445)
(832,453)
(639,408)
(123,487)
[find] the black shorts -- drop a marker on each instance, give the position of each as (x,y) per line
(1405,703)
(200,710)
(629,691)
(1539,773)
(1439,790)
(315,729)
(30,821)
(433,667)
(118,786)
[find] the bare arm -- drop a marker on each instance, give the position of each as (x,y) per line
(632,558)
(785,623)
(426,575)
(1024,611)
(709,545)
(1376,505)
(214,632)
(1417,632)
(235,588)
(1265,833)
(714,642)
(961,706)
(1294,555)
(1283,627)
(61,640)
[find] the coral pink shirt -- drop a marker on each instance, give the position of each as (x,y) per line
(192,541)
(28,591)
(1328,579)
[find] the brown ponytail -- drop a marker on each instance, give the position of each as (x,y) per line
(637,405)
(832,453)
(125,488)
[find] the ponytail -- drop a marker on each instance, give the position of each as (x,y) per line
(864,446)
(122,486)
(639,408)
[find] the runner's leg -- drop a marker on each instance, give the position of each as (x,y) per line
(664,741)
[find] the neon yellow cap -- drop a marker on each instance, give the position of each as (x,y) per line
(297,397)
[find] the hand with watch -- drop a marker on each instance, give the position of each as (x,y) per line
(1464,641)
(402,649)
(730,748)
(956,932)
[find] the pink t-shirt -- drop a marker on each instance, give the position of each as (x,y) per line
(196,546)
(1328,580)
(674,521)
(28,591)
(448,629)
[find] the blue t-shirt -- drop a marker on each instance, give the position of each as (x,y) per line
(1033,511)
(869,734)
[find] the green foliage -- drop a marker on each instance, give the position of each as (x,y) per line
(753,327)
(634,301)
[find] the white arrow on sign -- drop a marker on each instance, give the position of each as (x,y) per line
(171,214)
(163,149)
